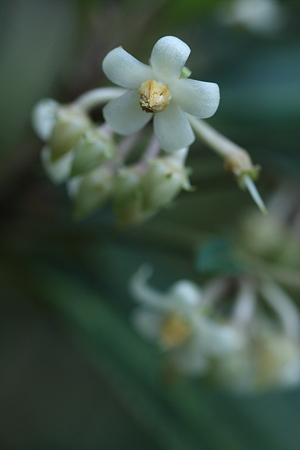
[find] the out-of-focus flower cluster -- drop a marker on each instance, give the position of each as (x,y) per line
(232,331)
(240,330)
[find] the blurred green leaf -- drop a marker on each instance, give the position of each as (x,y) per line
(217,256)
(35,44)
(184,415)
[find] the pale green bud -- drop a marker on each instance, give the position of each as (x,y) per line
(278,360)
(90,191)
(69,126)
(261,235)
(58,170)
(163,180)
(127,197)
(268,237)
(92,150)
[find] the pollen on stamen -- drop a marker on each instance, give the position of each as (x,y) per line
(155,97)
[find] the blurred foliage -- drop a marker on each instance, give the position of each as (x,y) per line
(79,271)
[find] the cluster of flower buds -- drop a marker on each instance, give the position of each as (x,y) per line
(97,165)
(94,166)
(239,334)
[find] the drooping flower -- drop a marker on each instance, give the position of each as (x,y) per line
(157,90)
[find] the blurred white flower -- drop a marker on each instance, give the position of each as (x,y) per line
(157,90)
(268,359)
(179,322)
(259,16)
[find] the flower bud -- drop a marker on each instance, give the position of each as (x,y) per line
(92,150)
(128,196)
(262,236)
(69,126)
(58,170)
(90,191)
(163,181)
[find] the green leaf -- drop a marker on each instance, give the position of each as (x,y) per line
(217,255)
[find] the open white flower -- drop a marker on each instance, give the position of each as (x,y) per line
(178,321)
(157,90)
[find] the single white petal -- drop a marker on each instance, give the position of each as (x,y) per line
(168,58)
(59,170)
(198,98)
(147,323)
(186,292)
(126,71)
(43,117)
(173,129)
(124,114)
(144,293)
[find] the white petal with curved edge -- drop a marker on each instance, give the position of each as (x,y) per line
(143,293)
(126,71)
(124,114)
(43,117)
(173,129)
(198,98)
(168,58)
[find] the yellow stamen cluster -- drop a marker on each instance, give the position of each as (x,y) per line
(175,331)
(155,97)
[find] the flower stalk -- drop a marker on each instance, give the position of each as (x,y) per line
(237,159)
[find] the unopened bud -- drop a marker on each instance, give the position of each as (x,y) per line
(163,181)
(127,195)
(92,150)
(58,170)
(90,191)
(69,126)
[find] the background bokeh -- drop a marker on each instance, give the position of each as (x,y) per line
(74,375)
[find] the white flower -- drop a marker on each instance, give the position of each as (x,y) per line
(157,90)
(178,322)
(259,16)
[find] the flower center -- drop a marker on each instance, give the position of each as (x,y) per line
(155,96)
(175,331)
